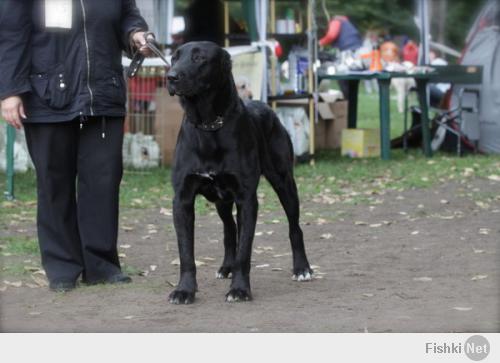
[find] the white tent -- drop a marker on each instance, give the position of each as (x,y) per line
(483,48)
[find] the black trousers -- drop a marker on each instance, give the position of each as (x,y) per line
(78,180)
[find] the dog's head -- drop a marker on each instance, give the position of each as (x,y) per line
(198,67)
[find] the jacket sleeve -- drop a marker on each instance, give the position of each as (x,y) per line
(131,21)
(15,47)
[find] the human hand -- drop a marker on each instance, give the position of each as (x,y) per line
(13,110)
(139,40)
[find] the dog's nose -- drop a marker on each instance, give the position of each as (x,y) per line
(172,76)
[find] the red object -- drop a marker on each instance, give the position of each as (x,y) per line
(143,88)
(410,52)
(278,50)
(333,32)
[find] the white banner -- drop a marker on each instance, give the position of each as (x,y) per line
(251,348)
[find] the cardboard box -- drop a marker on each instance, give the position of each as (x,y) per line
(168,120)
(332,112)
(332,120)
(360,143)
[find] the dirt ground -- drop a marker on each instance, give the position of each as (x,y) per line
(418,261)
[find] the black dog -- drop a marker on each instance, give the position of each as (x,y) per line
(223,148)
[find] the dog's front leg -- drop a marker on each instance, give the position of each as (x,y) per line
(240,283)
(183,209)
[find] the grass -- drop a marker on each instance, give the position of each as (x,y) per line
(333,179)
(345,180)
(19,246)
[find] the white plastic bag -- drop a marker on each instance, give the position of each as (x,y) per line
(296,122)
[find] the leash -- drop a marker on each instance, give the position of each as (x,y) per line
(138,57)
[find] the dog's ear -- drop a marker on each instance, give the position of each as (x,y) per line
(226,64)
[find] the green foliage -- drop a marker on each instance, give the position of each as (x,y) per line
(396,17)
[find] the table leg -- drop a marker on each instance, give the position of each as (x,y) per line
(385,118)
(426,133)
(352,110)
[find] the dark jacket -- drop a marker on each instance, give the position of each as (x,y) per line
(349,37)
(63,74)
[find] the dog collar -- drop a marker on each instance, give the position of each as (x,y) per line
(212,126)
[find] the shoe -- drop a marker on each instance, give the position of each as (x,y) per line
(62,286)
(119,278)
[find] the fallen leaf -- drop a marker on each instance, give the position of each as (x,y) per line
(31,286)
(479,277)
(152,231)
(199,263)
(176,262)
(208,258)
(360,223)
(269,233)
(375,225)
(478,251)
(462,308)
(262,266)
(368,295)
(326,236)
(275,221)
(482,205)
(414,233)
(276,269)
(34,313)
(422,279)
(122,255)
(128,317)
(153,267)
(484,231)
(494,177)
(40,281)
(146,237)
(165,212)
(444,201)
(13,284)
(258,234)
(31,268)
(127,228)
(125,246)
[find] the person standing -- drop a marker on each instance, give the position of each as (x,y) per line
(343,35)
(62,79)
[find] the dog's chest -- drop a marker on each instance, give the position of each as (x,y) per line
(218,186)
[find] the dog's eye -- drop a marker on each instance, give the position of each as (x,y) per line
(198,58)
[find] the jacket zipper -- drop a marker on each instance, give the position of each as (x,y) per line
(88,57)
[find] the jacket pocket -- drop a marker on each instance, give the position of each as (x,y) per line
(118,90)
(53,88)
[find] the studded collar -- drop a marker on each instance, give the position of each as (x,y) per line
(211,126)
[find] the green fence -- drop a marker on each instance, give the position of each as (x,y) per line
(11,136)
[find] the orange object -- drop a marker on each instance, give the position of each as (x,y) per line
(389,52)
(376,64)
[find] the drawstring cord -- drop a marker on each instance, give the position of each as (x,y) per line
(103,124)
(103,127)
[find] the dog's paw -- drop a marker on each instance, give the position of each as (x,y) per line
(305,274)
(181,297)
(223,273)
(235,295)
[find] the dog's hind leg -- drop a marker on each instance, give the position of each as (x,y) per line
(284,185)
(247,219)
(225,211)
